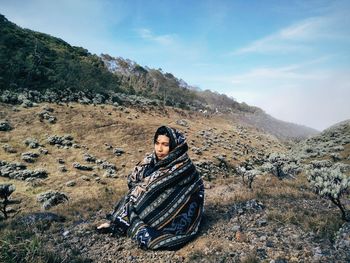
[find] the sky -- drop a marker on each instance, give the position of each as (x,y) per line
(289,57)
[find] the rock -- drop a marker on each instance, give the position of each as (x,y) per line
(43,151)
(89,158)
(108,166)
(281,260)
(210,170)
(84,100)
(71,183)
(263,238)
(18,171)
(52,119)
(336,157)
(108,146)
(6,167)
(61,161)
(9,149)
(110,173)
(197,151)
(342,238)
(28,104)
(98,99)
(100,181)
(261,222)
(118,151)
(5,126)
(32,143)
(207,185)
(34,182)
(51,198)
(182,122)
(318,164)
(62,168)
(261,253)
(29,157)
(61,141)
(269,243)
(38,173)
(254,205)
(82,167)
(85,178)
(317,253)
(36,217)
(240,211)
(48,109)
(236,228)
(9,97)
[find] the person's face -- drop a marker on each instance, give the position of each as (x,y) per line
(161,146)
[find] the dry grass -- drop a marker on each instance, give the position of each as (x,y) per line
(92,127)
(20,243)
(288,201)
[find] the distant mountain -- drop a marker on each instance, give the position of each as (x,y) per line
(281,129)
(33,61)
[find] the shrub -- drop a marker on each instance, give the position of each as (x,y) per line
(331,183)
(281,166)
(248,176)
(5,191)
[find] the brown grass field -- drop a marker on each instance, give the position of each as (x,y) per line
(132,129)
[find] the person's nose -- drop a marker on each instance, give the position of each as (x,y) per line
(160,148)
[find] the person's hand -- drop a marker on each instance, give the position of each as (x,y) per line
(104,228)
(104,225)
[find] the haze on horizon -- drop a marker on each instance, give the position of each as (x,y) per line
(290,58)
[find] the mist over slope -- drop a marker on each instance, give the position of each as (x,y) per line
(281,129)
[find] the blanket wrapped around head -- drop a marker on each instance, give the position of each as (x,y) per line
(164,204)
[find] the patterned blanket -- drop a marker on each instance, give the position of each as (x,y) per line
(164,204)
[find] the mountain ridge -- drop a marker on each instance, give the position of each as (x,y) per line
(35,61)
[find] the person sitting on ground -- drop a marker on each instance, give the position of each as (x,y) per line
(164,205)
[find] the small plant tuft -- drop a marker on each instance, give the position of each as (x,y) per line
(5,191)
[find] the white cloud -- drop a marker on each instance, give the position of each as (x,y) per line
(299,36)
(147,34)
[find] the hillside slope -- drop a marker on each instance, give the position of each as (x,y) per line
(280,129)
(36,61)
(87,151)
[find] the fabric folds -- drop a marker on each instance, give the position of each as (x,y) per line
(164,205)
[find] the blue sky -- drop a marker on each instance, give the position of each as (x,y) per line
(291,58)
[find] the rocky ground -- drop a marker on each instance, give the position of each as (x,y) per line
(243,231)
(71,160)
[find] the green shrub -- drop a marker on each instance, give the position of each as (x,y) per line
(331,183)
